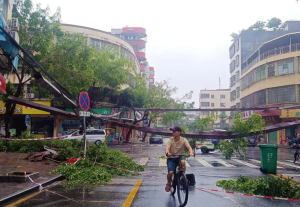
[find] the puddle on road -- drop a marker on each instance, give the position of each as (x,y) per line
(216,164)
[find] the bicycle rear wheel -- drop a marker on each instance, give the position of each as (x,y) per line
(182,188)
(173,185)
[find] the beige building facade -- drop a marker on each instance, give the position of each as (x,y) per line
(215,99)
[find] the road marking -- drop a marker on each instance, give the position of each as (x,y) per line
(124,180)
(226,164)
(23,199)
(152,145)
(143,161)
(245,163)
(162,162)
(187,164)
(283,163)
(292,175)
(257,161)
(159,145)
(203,162)
(132,194)
(134,145)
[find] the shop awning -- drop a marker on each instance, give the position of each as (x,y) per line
(50,109)
(279,126)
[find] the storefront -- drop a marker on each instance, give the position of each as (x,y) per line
(65,125)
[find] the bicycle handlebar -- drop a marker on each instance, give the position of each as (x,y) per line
(180,155)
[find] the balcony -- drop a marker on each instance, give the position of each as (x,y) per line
(135,30)
(142,68)
(151,76)
(141,56)
(138,43)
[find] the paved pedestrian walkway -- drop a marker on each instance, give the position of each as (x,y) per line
(15,162)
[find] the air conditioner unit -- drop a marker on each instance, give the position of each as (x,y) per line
(30,95)
(14,24)
(15,35)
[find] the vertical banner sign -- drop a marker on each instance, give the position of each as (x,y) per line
(84,102)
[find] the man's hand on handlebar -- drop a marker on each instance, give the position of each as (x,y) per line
(168,154)
(192,155)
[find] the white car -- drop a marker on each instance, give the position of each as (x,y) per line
(96,136)
(205,146)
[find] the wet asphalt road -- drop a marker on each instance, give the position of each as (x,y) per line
(141,191)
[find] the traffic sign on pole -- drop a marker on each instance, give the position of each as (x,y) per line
(84,101)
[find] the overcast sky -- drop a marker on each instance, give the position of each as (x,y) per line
(188,40)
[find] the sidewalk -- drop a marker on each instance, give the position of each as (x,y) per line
(14,162)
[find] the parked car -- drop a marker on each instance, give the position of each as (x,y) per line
(206,146)
(156,139)
(252,142)
(96,136)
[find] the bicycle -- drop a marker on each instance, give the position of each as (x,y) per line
(180,181)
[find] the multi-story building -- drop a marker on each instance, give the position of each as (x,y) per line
(246,43)
(212,99)
(137,38)
(105,41)
(271,77)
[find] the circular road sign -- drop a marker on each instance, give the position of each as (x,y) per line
(84,101)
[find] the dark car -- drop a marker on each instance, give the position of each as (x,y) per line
(156,139)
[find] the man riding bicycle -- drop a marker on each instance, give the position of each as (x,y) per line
(297,143)
(175,146)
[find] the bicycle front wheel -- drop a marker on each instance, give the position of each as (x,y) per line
(182,189)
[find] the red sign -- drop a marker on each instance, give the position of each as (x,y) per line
(246,114)
(2,84)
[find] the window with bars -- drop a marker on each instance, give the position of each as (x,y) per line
(271,69)
(232,66)
(237,76)
(286,66)
(95,43)
(232,51)
(233,95)
(237,45)
(248,101)
(260,97)
(205,104)
(238,92)
(248,80)
(222,104)
(212,104)
(233,80)
(260,73)
(212,96)
(237,61)
(281,94)
(298,64)
(222,96)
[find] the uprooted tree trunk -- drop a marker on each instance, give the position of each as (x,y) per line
(145,135)
(130,130)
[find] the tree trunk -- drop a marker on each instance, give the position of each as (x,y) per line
(10,109)
(129,132)
(145,135)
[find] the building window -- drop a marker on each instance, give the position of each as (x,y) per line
(232,66)
(233,95)
(248,101)
(237,76)
(222,96)
(204,95)
(248,80)
(286,66)
(205,104)
(260,73)
(238,93)
(205,113)
(212,104)
(237,61)
(232,51)
(222,105)
(96,43)
(212,96)
(271,69)
(232,80)
(298,64)
(260,98)
(237,45)
(282,94)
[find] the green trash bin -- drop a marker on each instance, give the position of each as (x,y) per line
(268,155)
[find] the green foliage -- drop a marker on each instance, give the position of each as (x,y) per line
(83,174)
(265,186)
(234,36)
(201,124)
(259,25)
(254,123)
(274,23)
(89,174)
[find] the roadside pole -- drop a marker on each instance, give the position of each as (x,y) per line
(84,103)
(84,137)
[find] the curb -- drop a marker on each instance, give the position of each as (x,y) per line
(280,176)
(29,190)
